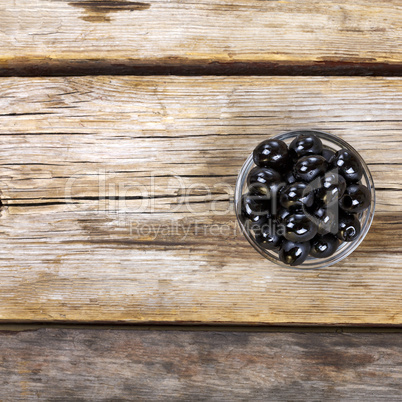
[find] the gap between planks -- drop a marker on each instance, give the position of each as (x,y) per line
(18,327)
(65,68)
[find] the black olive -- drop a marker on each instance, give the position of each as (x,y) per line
(326,219)
(296,196)
(264,181)
(256,224)
(306,143)
(281,214)
(271,153)
(348,165)
(348,227)
(294,253)
(309,167)
(332,188)
(255,207)
(289,177)
(324,246)
(356,199)
(327,154)
(268,237)
(299,228)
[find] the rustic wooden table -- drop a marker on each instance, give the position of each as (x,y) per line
(123,273)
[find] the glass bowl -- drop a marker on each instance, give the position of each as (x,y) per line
(366,217)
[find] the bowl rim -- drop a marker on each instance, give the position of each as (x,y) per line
(347,247)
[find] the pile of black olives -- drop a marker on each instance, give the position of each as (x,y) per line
(303,199)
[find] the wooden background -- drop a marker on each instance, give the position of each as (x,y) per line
(118,200)
(54,364)
(233,37)
(116,189)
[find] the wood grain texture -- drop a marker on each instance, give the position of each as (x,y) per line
(80,365)
(39,35)
(133,242)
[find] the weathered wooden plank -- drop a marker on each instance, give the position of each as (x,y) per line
(62,36)
(56,364)
(167,248)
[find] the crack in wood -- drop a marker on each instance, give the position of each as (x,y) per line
(25,114)
(97,11)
